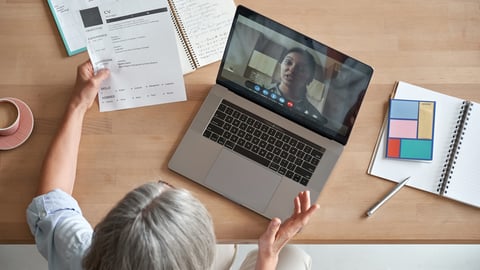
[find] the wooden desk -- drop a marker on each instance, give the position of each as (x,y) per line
(435,44)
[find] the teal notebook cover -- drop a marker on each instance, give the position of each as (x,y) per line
(68,47)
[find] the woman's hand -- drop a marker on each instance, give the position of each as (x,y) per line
(278,235)
(87,85)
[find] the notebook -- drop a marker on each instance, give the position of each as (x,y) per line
(276,121)
(69,24)
(202,28)
(453,172)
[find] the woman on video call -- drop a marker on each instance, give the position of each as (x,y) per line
(297,69)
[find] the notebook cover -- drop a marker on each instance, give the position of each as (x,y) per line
(410,129)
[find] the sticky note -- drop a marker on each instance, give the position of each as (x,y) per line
(425,120)
(410,131)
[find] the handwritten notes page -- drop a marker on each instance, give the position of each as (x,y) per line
(206,25)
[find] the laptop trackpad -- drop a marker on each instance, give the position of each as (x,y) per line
(242,180)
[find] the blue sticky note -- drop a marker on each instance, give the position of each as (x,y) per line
(403,109)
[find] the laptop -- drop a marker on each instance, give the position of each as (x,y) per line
(277,119)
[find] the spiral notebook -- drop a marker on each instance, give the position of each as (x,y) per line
(202,28)
(453,172)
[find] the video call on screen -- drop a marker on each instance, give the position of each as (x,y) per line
(254,59)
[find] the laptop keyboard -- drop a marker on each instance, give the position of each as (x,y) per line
(261,141)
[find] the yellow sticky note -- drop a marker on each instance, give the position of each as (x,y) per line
(425,120)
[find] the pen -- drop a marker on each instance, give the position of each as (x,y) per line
(389,195)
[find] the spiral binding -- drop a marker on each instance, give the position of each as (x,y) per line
(454,147)
(187,46)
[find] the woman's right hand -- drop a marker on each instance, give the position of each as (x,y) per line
(278,234)
(87,85)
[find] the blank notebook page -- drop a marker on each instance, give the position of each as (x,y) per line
(465,182)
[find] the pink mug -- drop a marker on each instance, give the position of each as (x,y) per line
(9,117)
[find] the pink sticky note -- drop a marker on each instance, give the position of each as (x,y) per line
(403,129)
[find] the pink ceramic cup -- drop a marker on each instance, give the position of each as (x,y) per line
(9,117)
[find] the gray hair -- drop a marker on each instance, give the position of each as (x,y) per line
(154,227)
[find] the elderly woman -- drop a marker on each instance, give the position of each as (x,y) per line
(155,226)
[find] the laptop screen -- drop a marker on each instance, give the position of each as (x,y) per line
(293,75)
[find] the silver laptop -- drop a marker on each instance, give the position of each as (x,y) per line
(277,120)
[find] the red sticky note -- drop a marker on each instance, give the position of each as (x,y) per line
(393,149)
